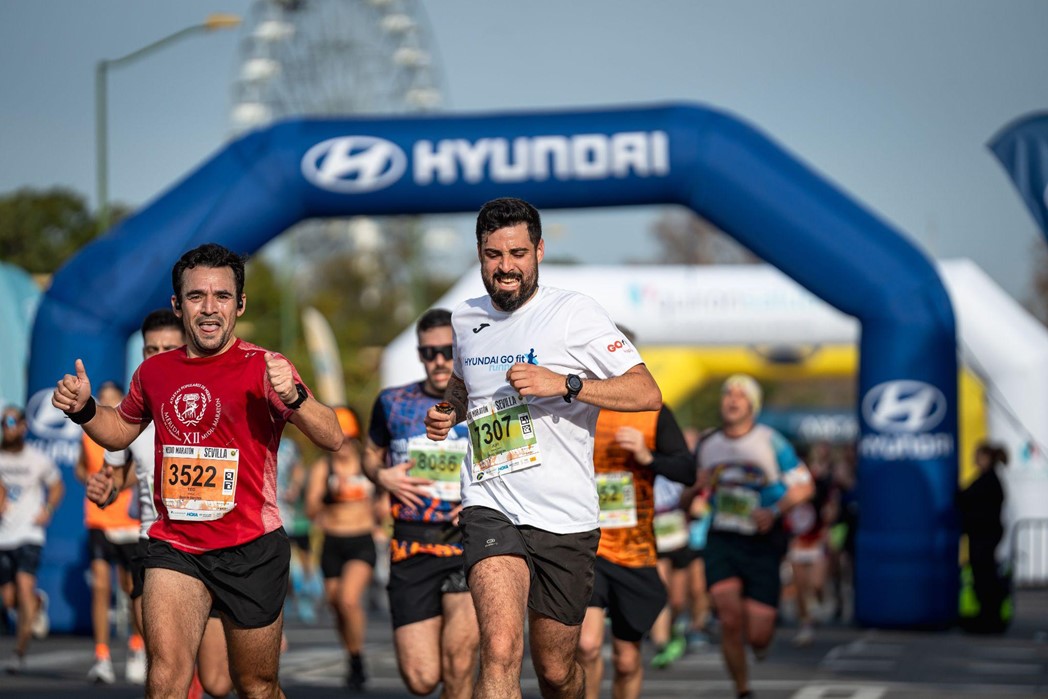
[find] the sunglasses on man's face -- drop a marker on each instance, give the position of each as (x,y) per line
(10,422)
(430,352)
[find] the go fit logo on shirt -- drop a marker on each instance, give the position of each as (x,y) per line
(620,345)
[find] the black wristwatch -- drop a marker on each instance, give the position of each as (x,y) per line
(302,395)
(574,385)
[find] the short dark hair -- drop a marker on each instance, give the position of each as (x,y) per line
(161,318)
(506,212)
(996,452)
(433,318)
(213,256)
(110,383)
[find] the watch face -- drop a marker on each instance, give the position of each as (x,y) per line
(574,383)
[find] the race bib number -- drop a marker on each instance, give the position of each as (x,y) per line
(735,507)
(440,462)
(671,531)
(502,435)
(618,505)
(198,484)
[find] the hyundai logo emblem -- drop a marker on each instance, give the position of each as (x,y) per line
(354,164)
(904,406)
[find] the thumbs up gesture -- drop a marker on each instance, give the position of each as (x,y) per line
(72,392)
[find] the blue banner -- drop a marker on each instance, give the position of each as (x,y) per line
(1022,148)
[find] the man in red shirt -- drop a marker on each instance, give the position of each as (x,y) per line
(219,405)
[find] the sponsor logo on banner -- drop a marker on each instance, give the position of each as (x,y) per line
(47,421)
(354,164)
(53,433)
(359,164)
(905,413)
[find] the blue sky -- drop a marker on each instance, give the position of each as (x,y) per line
(894,100)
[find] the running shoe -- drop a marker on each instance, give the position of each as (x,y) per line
(696,640)
(306,611)
(102,672)
(16,664)
(805,637)
(41,625)
(670,653)
(135,671)
(356,678)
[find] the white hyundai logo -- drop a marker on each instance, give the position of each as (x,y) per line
(904,406)
(48,422)
(353,164)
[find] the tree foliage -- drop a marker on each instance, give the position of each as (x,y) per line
(41,229)
(685,238)
(1037,301)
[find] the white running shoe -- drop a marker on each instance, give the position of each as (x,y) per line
(41,625)
(805,637)
(102,672)
(135,672)
(15,665)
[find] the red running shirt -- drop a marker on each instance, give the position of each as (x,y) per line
(218,425)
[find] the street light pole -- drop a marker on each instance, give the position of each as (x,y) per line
(212,23)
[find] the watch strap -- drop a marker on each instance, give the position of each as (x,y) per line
(302,395)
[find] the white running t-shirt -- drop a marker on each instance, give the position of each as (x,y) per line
(532,459)
(143,451)
(26,475)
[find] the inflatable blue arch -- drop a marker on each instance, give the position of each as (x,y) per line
(258,186)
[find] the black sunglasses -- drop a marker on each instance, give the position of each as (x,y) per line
(430,352)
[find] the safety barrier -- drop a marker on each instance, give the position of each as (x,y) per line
(1029,553)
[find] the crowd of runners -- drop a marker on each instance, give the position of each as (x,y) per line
(532,487)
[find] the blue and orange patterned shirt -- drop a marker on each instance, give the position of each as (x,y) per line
(397,426)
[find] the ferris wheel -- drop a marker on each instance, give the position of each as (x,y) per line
(334,58)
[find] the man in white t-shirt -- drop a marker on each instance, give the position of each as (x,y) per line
(533,367)
(34,489)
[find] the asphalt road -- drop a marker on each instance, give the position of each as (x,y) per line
(844,662)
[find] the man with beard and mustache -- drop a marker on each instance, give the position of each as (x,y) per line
(533,367)
(434,624)
(219,406)
(33,490)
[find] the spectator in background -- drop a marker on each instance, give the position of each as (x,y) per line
(112,539)
(980,505)
(33,489)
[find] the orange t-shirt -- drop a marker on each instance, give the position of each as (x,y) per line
(632,546)
(118,514)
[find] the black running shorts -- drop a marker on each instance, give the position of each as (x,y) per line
(632,597)
(102,549)
(248,583)
(754,560)
(340,550)
(417,586)
(561,565)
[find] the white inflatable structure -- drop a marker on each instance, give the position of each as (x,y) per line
(758,305)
